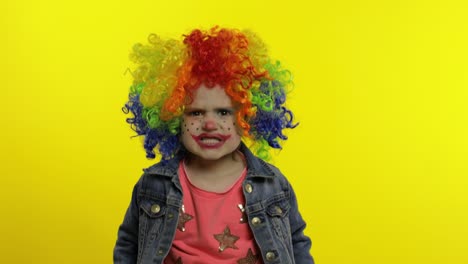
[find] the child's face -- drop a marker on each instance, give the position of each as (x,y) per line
(209,130)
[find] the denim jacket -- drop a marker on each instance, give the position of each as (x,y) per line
(150,223)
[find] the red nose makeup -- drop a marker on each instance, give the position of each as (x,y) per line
(209,125)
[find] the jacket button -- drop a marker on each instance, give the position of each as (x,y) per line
(256,221)
(270,256)
(278,210)
(160,252)
(155,208)
(248,188)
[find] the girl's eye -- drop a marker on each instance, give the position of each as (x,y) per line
(195,113)
(224,112)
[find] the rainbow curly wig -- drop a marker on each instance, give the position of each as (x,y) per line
(168,71)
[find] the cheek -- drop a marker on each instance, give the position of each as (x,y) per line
(191,126)
(229,125)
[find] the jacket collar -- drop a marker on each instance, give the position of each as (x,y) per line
(256,167)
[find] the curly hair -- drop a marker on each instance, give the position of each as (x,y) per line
(169,71)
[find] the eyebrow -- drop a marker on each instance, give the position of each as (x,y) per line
(190,108)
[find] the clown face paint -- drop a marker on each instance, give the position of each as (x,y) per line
(209,130)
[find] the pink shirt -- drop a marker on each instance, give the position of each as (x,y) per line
(212,227)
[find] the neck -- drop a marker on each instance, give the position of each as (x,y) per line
(197,164)
(215,175)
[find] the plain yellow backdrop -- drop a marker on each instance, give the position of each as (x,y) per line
(379,161)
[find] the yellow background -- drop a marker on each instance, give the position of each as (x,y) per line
(379,161)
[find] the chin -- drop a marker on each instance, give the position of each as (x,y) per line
(211,156)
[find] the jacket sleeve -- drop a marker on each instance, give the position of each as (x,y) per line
(301,242)
(126,247)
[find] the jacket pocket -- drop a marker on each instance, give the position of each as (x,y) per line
(278,208)
(153,208)
(278,212)
(151,223)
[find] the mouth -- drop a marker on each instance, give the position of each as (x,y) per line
(210,141)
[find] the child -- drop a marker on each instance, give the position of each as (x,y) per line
(210,200)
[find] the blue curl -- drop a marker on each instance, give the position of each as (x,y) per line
(162,136)
(269,125)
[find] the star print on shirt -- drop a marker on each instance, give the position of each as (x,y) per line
(183,218)
(243,219)
(249,259)
(226,240)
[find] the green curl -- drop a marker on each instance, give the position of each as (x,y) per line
(263,101)
(277,73)
(173,125)
(152,117)
(137,88)
(262,149)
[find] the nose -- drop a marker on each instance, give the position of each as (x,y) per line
(209,124)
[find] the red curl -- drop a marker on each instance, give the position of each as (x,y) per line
(216,57)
